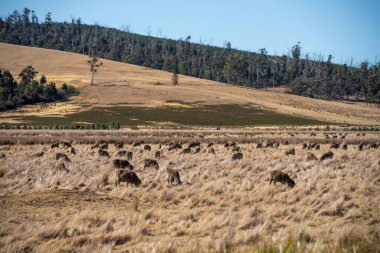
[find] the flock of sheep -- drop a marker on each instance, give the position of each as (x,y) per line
(124,169)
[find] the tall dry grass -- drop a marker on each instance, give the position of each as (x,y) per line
(222,205)
(280,134)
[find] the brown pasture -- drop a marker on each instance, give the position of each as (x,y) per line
(119,83)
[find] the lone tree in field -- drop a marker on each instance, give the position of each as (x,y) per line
(94,65)
(175,79)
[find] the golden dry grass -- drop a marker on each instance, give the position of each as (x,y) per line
(294,135)
(222,205)
(126,84)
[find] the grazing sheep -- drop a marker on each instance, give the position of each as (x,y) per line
(194,144)
(62,155)
(362,145)
(147,148)
(304,146)
(129,155)
(122,164)
(175,146)
(151,163)
(119,145)
(54,145)
(279,176)
(344,146)
(60,166)
(104,153)
(233,144)
(210,145)
(72,151)
(286,142)
(226,145)
(39,154)
(374,145)
(103,146)
(122,153)
(291,151)
(197,150)
(236,149)
(186,151)
(334,145)
(157,154)
(343,137)
(311,156)
(327,155)
(127,176)
(269,145)
(66,145)
(237,156)
(259,145)
(136,144)
(313,145)
(173,177)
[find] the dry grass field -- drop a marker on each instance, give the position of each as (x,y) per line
(221,206)
(120,84)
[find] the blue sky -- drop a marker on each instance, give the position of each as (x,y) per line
(343,28)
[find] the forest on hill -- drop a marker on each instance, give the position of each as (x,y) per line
(306,76)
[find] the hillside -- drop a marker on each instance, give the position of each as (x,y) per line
(121,84)
(304,74)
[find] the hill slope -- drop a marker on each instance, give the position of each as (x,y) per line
(310,77)
(125,84)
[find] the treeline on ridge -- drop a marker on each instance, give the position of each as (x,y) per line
(318,78)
